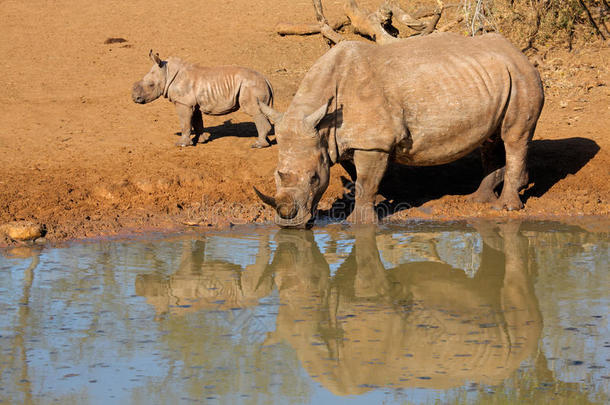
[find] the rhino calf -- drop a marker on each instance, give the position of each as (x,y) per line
(196,89)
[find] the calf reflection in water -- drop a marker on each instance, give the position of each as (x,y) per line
(420,324)
(206,284)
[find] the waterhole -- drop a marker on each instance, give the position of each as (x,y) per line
(501,312)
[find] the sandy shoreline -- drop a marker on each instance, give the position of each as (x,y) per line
(81,158)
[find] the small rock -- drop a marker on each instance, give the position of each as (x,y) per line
(563,104)
(103,192)
(190,180)
(144,185)
(22,230)
(164,183)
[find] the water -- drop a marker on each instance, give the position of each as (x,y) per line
(425,313)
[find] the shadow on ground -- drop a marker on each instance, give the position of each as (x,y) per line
(405,187)
(227,128)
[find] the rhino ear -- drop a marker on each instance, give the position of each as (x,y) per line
(270,113)
(313,119)
(155,58)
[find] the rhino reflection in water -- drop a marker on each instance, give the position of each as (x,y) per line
(199,284)
(420,324)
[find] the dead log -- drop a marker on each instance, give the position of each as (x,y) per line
(332,36)
(374,25)
(414,21)
(370,24)
(321,27)
(450,25)
(307,29)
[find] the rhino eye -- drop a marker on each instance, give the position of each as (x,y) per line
(286,178)
(315,179)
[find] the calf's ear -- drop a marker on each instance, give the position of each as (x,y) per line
(155,58)
(313,119)
(270,113)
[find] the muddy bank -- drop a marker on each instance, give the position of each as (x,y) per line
(81,158)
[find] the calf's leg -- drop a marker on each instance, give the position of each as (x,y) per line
(197,124)
(370,168)
(185,115)
(248,102)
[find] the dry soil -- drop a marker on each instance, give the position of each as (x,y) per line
(80,157)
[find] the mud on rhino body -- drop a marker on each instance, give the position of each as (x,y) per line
(421,101)
(196,89)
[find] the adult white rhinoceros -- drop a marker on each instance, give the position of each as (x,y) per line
(423,101)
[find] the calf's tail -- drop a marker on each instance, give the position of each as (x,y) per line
(270,104)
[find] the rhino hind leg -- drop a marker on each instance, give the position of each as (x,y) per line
(492,159)
(263,127)
(370,168)
(515,176)
(485,193)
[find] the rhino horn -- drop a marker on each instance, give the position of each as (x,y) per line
(270,113)
(266,199)
(313,119)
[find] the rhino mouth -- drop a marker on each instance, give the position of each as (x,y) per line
(298,222)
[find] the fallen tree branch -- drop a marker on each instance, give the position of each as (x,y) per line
(321,27)
(414,22)
(369,24)
(437,16)
(307,29)
(376,26)
(450,25)
(405,18)
(332,36)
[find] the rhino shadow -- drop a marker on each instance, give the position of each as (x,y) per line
(227,128)
(417,324)
(551,161)
(405,187)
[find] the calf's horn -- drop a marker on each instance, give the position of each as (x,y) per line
(266,199)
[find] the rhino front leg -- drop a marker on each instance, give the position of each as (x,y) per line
(185,115)
(370,168)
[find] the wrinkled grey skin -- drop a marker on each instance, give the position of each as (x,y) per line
(422,101)
(209,90)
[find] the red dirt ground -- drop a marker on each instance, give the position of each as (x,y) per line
(80,157)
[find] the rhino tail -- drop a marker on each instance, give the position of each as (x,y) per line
(270,104)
